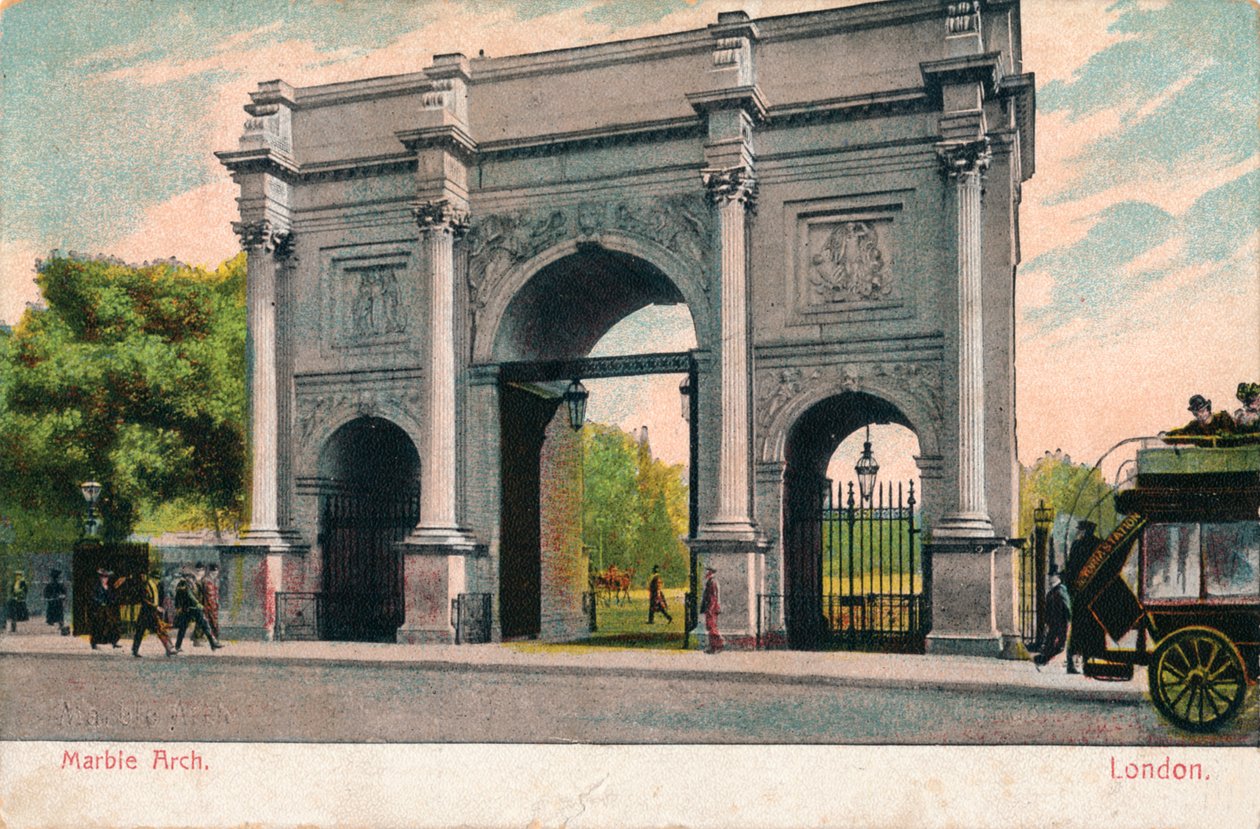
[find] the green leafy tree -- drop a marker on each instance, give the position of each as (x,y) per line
(1076,492)
(635,506)
(133,376)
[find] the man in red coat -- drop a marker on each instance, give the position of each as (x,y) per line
(711,606)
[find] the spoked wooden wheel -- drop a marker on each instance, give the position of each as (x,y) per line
(1197,679)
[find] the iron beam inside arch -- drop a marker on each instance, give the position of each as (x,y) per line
(586,368)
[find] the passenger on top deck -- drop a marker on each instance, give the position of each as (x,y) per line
(1205,423)
(1247,419)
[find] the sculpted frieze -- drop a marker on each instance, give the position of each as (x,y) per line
(316,410)
(498,242)
(919,382)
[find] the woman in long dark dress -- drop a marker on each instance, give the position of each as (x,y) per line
(55,601)
(18,611)
(106,626)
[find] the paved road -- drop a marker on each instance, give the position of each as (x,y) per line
(117,698)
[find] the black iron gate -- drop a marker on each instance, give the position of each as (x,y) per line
(363,580)
(873,583)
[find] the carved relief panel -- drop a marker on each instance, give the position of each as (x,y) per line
(846,262)
(367,302)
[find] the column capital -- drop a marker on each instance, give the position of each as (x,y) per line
(440,215)
(264,236)
(730,184)
(960,158)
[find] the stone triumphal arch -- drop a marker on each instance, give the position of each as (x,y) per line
(834,197)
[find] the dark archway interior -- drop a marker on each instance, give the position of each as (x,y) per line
(369,454)
(370,501)
(810,445)
(570,304)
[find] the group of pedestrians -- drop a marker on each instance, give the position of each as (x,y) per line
(54,602)
(710,605)
(196,602)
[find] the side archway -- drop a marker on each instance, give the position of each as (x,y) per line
(369,500)
(853,573)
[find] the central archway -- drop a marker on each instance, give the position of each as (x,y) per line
(543,341)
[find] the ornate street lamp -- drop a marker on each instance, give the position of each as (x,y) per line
(1043,517)
(575,398)
(684,389)
(91,491)
(866,468)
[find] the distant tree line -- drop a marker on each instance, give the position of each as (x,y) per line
(634,511)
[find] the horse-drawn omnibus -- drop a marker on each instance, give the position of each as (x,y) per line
(1193,520)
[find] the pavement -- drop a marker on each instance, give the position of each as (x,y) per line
(836,668)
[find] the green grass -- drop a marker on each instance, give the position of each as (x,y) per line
(624,626)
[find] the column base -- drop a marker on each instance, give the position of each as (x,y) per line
(273,540)
(434,574)
(963,525)
(965,594)
(719,529)
(738,563)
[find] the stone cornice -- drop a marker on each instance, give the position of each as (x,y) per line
(1021,90)
(265,160)
(984,69)
(747,98)
(450,137)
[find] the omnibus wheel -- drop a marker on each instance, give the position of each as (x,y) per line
(1197,680)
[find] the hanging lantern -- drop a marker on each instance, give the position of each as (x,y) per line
(91,491)
(866,469)
(575,398)
(684,389)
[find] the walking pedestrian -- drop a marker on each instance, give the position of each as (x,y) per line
(18,612)
(55,602)
(188,608)
(1086,635)
(105,626)
(210,589)
(656,598)
(711,607)
(149,620)
(1058,614)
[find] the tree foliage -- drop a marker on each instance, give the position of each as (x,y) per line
(133,376)
(634,511)
(1075,491)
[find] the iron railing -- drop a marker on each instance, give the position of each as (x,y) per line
(770,635)
(471,615)
(1031,595)
(299,616)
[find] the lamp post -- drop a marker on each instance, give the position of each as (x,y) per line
(867,469)
(575,399)
(91,491)
(1043,521)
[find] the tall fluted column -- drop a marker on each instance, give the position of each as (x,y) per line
(965,164)
(733,190)
(439,224)
(265,245)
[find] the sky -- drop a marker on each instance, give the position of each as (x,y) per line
(1140,230)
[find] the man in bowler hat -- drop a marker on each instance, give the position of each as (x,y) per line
(711,607)
(1205,423)
(1085,636)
